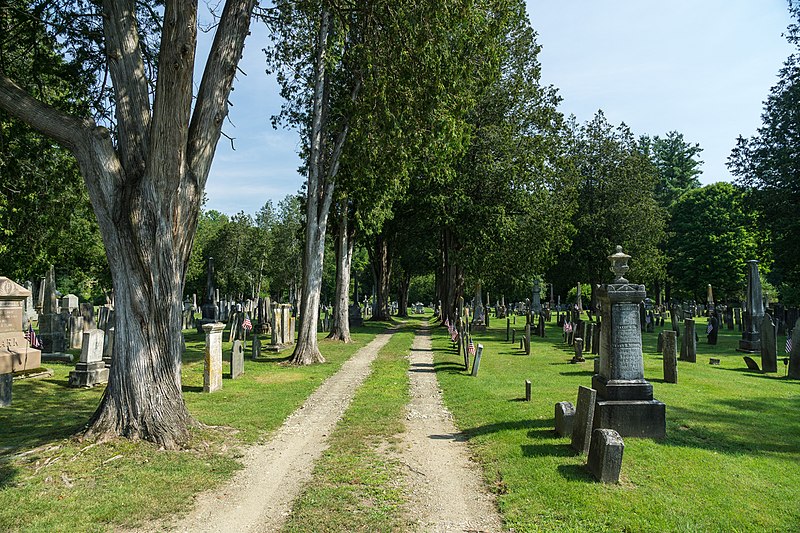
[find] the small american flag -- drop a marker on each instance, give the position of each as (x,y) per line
(567,327)
(710,328)
(32,339)
(246,324)
(789,342)
(471,347)
(454,335)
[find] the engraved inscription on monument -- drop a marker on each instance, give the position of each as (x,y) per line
(626,342)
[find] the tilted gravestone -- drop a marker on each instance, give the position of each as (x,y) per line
(689,344)
(476,362)
(237,359)
(565,416)
(605,455)
(670,356)
(769,345)
(583,420)
(794,355)
(751,363)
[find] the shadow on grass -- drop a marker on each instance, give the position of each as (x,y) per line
(191,388)
(506,426)
(741,429)
(39,415)
(578,373)
(7,475)
(575,473)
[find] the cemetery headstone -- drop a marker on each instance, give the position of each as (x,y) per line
(16,354)
(75,331)
(670,357)
(565,416)
(794,355)
(578,357)
(605,455)
(713,361)
(6,380)
(212,367)
(476,362)
(751,364)
(769,345)
(237,359)
(689,343)
(660,342)
(583,420)
(90,369)
(108,345)
(712,330)
(51,326)
(527,390)
(256,347)
(624,398)
(596,339)
(753,311)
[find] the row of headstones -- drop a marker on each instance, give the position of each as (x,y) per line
(604,447)
(67,329)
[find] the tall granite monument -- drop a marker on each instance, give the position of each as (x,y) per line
(753,311)
(624,398)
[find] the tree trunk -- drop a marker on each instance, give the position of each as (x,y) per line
(340,329)
(381,267)
(146,186)
(452,277)
(403,285)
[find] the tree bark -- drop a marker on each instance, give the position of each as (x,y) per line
(452,277)
(403,285)
(340,329)
(382,270)
(146,190)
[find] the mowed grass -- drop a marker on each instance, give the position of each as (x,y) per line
(49,481)
(357,484)
(730,461)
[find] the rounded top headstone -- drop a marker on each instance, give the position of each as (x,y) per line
(619,265)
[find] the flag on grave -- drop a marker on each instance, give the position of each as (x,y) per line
(247,324)
(471,347)
(709,328)
(32,339)
(789,342)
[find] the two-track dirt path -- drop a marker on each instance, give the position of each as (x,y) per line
(444,486)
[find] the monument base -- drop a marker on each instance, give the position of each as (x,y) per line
(632,418)
(478,327)
(88,375)
(57,357)
(622,390)
(276,348)
(749,345)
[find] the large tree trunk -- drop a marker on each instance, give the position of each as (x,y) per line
(146,191)
(340,329)
(452,277)
(403,284)
(382,269)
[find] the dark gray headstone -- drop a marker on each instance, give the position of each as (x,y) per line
(565,416)
(256,347)
(689,344)
(527,390)
(584,417)
(751,364)
(237,359)
(670,354)
(476,362)
(769,345)
(660,342)
(5,389)
(596,339)
(794,355)
(605,455)
(712,330)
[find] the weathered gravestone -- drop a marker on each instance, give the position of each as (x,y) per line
(565,416)
(583,420)
(476,362)
(670,357)
(605,455)
(625,400)
(51,326)
(527,390)
(578,357)
(237,359)
(753,311)
(16,354)
(90,369)
(769,345)
(256,347)
(596,339)
(108,344)
(75,331)
(794,355)
(689,341)
(660,342)
(712,330)
(6,380)
(212,367)
(751,363)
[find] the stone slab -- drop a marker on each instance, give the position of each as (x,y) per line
(564,417)
(583,420)
(237,359)
(88,375)
(632,418)
(605,455)
(751,364)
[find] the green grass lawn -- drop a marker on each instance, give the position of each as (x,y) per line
(52,482)
(730,461)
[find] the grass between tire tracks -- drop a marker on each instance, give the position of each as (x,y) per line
(730,461)
(49,481)
(357,484)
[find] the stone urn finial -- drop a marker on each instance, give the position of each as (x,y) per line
(619,265)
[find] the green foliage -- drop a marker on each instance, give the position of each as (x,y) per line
(677,166)
(45,215)
(615,191)
(713,234)
(768,165)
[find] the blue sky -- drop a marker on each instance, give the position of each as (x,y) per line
(700,67)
